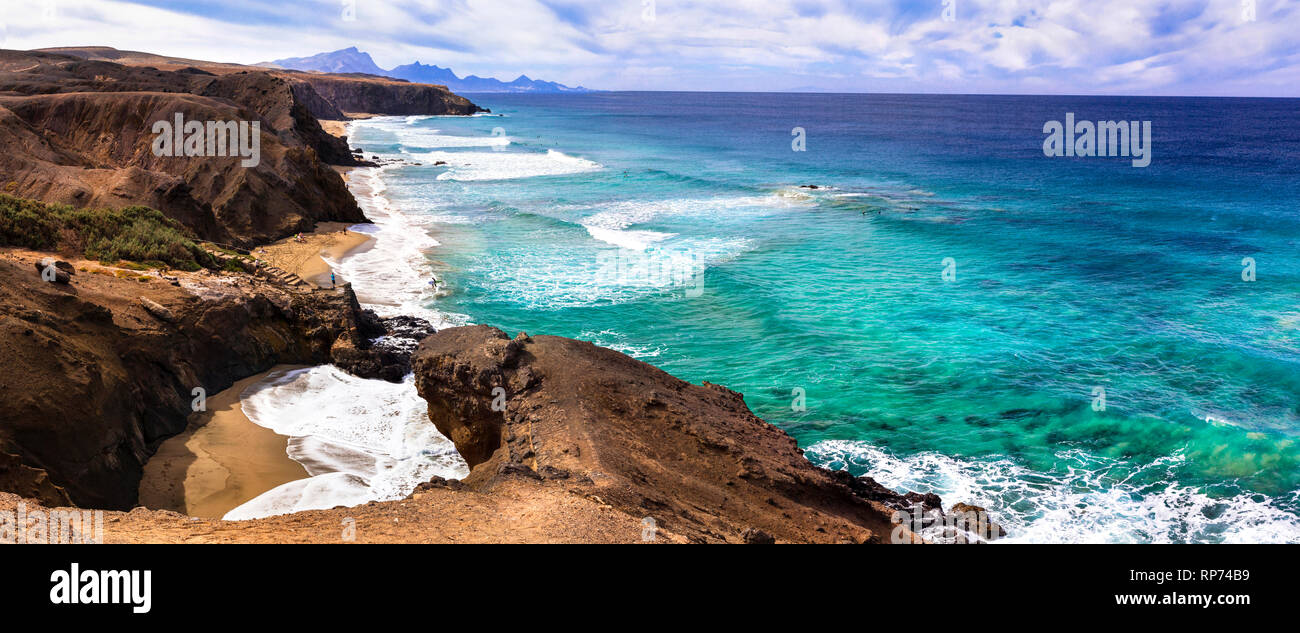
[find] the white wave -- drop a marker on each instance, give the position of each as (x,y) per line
(394,275)
(1096,500)
(610,224)
(446,218)
(630,212)
(617,342)
(359,440)
(313,493)
(428,138)
(389,129)
(631,240)
(470,166)
(550,279)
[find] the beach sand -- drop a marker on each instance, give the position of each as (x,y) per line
(340,128)
(220,461)
(304,258)
(335,128)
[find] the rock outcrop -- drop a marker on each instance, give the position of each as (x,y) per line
(602,425)
(376,95)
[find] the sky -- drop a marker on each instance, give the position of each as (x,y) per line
(1132,47)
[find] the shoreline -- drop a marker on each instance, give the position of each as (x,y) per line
(221,460)
(309,257)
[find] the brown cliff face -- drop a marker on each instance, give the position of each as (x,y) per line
(77,123)
(329,94)
(603,425)
(95,150)
(80,133)
(381,95)
(287,106)
(106,366)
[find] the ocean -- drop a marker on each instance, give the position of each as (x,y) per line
(1095,352)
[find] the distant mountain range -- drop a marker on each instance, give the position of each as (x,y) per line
(351,60)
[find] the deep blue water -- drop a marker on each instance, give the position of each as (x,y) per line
(676,227)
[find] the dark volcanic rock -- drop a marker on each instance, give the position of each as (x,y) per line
(380,95)
(385,346)
(53,272)
(975,521)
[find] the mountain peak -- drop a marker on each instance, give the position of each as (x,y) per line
(344,60)
(352,60)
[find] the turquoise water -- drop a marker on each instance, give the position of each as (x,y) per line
(675,228)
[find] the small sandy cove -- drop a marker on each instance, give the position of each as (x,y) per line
(220,461)
(223,459)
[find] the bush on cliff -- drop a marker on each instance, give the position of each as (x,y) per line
(138,234)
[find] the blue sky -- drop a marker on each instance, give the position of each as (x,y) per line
(1156,47)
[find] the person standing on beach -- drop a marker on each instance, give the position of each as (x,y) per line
(332,284)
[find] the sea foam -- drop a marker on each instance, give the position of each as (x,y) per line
(359,440)
(393,276)
(1090,499)
(500,165)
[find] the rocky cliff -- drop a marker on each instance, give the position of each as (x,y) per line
(77,128)
(381,95)
(691,458)
(104,367)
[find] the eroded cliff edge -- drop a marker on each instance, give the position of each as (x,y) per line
(599,424)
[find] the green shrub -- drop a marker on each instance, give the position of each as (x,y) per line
(132,234)
(27,223)
(234,266)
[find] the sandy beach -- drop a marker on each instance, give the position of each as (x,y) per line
(335,128)
(306,257)
(339,128)
(220,461)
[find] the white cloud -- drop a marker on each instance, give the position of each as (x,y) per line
(1095,46)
